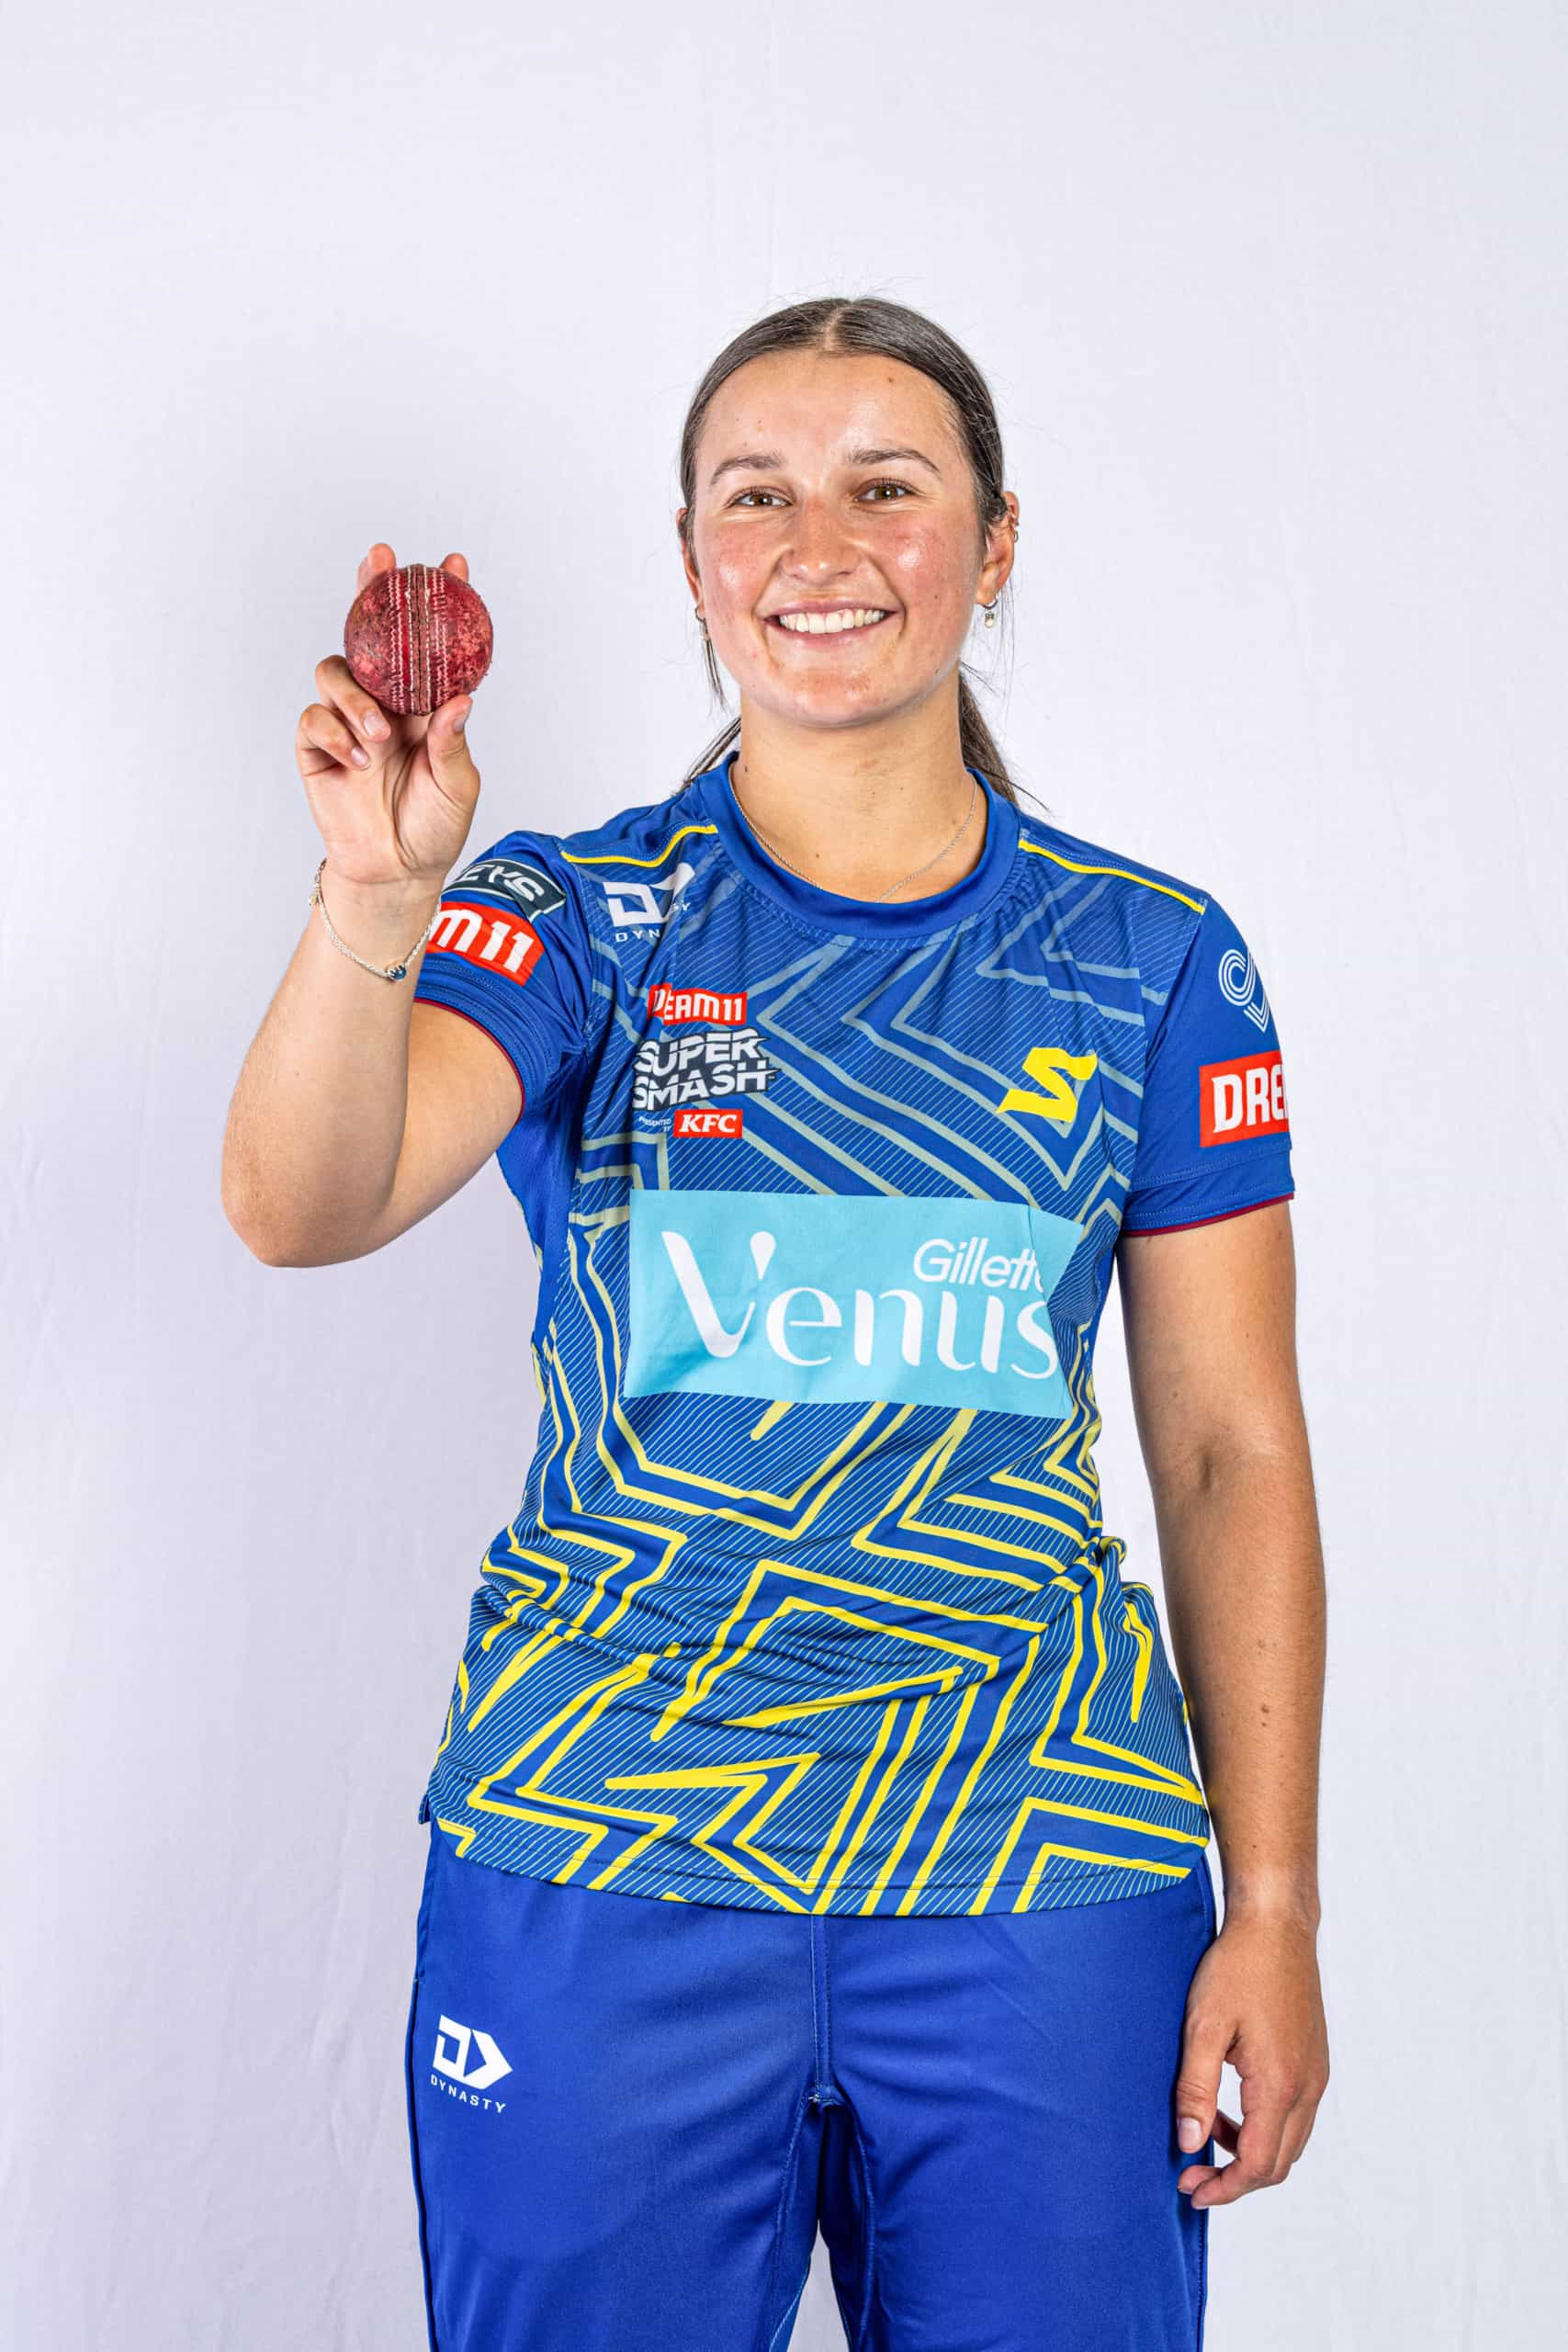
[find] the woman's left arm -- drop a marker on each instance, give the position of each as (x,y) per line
(1209,1317)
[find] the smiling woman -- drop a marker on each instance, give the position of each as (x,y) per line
(843,517)
(816,1833)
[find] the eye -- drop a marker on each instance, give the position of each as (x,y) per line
(744,497)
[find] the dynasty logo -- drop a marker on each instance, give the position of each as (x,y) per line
(643,906)
(701,1066)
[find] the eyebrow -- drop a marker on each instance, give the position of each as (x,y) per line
(765,460)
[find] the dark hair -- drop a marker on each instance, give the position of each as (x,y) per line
(839,322)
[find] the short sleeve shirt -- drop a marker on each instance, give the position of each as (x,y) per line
(807,1602)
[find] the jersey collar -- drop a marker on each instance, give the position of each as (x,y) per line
(829,911)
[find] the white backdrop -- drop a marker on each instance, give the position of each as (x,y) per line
(1272,300)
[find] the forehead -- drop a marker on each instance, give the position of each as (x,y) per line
(810,405)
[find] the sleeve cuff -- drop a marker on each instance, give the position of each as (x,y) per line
(1216,1216)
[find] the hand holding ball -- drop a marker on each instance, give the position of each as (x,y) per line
(417,637)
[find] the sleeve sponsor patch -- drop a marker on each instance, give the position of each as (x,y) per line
(483,935)
(1242,1098)
(527,885)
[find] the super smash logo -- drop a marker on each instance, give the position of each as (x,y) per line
(701,1066)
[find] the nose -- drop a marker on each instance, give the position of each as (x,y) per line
(819,548)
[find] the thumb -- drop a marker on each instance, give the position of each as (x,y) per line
(446,741)
(1203,2044)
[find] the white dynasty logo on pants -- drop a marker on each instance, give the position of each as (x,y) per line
(453,2060)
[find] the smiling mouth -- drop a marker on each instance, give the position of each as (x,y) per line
(820,628)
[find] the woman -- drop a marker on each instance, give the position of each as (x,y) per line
(832,1087)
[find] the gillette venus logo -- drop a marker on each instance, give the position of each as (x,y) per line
(835,1298)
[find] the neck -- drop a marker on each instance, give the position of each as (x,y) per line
(855,808)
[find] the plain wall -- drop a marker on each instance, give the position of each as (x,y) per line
(1272,302)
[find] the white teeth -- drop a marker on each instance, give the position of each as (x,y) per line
(830,624)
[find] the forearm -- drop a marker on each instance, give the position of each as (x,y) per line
(317,1119)
(1244,1600)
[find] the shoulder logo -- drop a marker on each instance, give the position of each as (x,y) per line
(527,885)
(1242,1098)
(1241,982)
(633,905)
(483,935)
(1052,1070)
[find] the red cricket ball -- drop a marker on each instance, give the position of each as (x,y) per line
(417,637)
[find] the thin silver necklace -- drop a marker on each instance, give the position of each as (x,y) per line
(912,876)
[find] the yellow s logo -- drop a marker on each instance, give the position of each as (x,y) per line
(1052,1068)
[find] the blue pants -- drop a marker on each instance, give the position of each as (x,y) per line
(629,2117)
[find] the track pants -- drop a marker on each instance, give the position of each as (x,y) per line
(628,2119)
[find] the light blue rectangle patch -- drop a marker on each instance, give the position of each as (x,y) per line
(831,1299)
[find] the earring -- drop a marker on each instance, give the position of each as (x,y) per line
(991,612)
(701,621)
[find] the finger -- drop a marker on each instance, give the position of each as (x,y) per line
(457,564)
(324,730)
(1204,2041)
(372,563)
(363,714)
(1227,2132)
(1257,2161)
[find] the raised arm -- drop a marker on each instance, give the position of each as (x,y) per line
(1210,1317)
(314,1146)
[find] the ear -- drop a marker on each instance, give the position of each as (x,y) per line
(999,542)
(692,580)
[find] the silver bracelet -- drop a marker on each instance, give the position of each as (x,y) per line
(383,971)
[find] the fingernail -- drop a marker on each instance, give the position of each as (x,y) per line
(1190,2133)
(361,757)
(460,722)
(374,723)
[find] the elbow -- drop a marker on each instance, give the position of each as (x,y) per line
(268,1244)
(272,1245)
(266,1248)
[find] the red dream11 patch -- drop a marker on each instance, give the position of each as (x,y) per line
(725,1008)
(485,936)
(702,1119)
(1242,1098)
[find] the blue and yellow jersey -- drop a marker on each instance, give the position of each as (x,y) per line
(807,1602)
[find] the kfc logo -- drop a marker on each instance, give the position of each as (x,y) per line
(697,1121)
(1242,1098)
